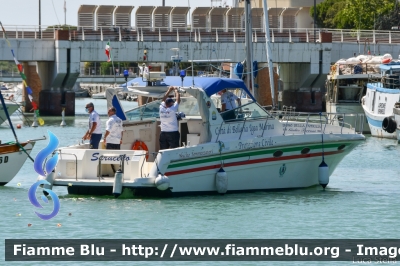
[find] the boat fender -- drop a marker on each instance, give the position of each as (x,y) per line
(221,181)
(49,178)
(389,124)
(161,182)
(323,174)
(118,180)
(140,145)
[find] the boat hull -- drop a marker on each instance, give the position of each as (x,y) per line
(11,160)
(375,120)
(255,170)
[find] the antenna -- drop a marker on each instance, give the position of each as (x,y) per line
(191,51)
(65,12)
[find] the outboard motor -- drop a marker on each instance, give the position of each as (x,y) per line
(389,124)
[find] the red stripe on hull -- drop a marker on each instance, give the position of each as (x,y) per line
(263,160)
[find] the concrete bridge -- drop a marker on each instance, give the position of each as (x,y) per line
(52,64)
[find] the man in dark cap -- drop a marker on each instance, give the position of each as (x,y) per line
(169,137)
(94,132)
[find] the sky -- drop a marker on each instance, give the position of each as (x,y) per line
(26,12)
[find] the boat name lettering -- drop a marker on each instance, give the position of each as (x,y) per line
(184,155)
(233,129)
(256,144)
(5,160)
(312,128)
(267,126)
(381,108)
(117,158)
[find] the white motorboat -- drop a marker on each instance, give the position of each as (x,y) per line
(383,92)
(346,84)
(100,95)
(254,151)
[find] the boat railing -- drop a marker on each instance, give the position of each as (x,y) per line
(354,68)
(76,161)
(328,121)
(389,81)
(343,120)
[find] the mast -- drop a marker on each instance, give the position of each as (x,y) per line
(249,50)
(269,54)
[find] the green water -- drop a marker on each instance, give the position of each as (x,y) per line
(361,201)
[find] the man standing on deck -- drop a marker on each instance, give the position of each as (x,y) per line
(228,100)
(113,136)
(169,137)
(94,131)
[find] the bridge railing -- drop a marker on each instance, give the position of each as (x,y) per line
(365,38)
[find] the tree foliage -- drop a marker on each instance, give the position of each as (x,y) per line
(353,14)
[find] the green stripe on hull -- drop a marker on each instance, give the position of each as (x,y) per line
(191,162)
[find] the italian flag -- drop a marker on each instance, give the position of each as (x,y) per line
(108,52)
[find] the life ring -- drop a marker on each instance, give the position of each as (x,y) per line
(386,61)
(140,145)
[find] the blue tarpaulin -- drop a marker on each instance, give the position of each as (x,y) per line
(238,70)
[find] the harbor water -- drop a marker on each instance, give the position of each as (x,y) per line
(361,201)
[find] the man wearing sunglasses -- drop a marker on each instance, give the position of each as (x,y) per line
(94,132)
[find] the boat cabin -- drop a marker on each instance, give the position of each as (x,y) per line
(201,106)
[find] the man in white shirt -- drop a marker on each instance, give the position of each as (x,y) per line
(228,100)
(169,137)
(114,128)
(94,131)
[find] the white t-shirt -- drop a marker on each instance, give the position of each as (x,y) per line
(169,123)
(94,117)
(114,126)
(229,99)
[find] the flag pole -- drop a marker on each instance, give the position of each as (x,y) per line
(112,62)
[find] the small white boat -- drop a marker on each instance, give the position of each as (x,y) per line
(383,92)
(100,95)
(255,150)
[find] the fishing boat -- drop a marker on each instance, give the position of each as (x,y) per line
(254,151)
(383,94)
(12,154)
(346,84)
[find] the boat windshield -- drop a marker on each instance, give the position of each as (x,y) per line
(188,106)
(248,111)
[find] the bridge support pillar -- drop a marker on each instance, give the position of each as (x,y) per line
(304,83)
(34,82)
(58,78)
(264,88)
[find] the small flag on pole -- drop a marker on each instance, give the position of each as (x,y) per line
(108,52)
